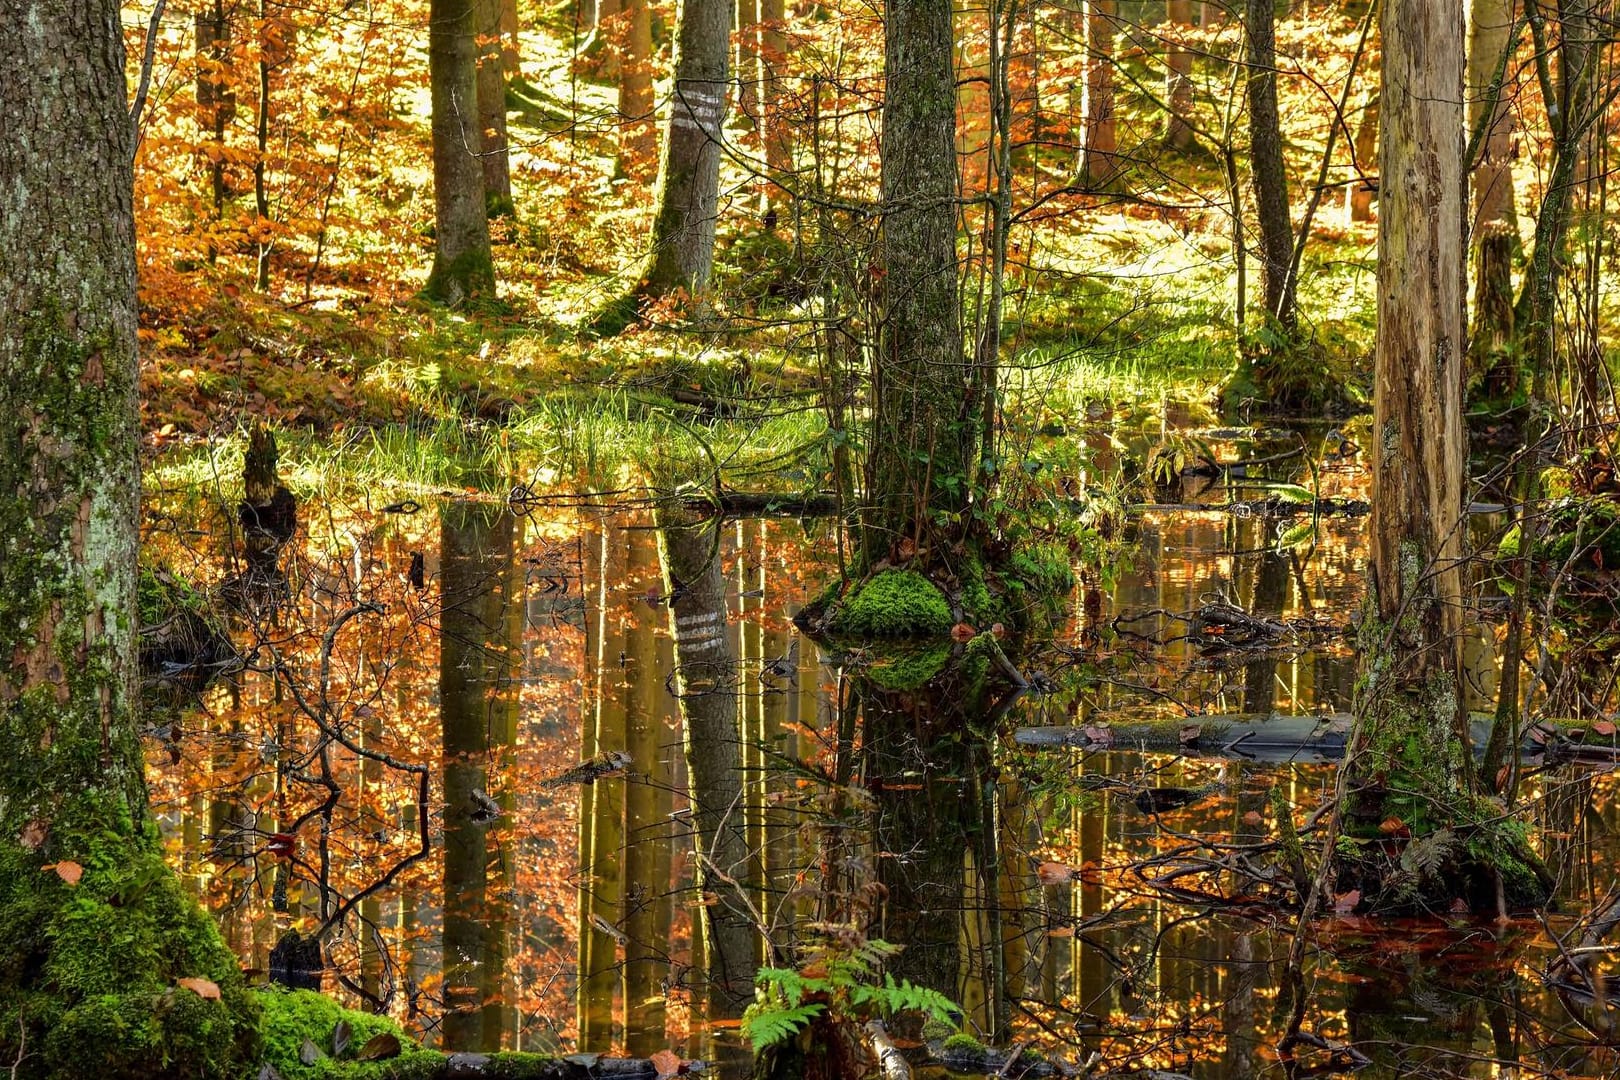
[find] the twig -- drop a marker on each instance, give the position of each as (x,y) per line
(148,55)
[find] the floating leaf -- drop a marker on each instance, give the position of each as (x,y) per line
(667,1063)
(380,1047)
(203,988)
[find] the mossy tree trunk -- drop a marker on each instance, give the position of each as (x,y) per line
(88,968)
(925,429)
(462,264)
(1270,171)
(681,252)
(1411,770)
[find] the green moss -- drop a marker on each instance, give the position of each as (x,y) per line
(895,603)
(90,971)
(962,1043)
(469,275)
(291,1016)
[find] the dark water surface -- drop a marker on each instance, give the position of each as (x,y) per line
(551,907)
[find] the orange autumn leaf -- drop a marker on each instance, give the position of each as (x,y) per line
(667,1063)
(68,870)
(203,988)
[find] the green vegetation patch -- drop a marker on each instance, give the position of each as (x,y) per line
(895,603)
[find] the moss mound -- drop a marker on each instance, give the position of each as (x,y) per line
(894,603)
(908,668)
(90,970)
(292,1016)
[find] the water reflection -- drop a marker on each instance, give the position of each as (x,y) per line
(568,680)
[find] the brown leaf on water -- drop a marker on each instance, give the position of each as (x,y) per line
(203,988)
(1054,873)
(380,1047)
(667,1063)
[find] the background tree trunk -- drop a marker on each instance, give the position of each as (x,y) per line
(637,140)
(98,956)
(1495,225)
(773,114)
(1366,151)
(1270,172)
(923,438)
(682,244)
(462,264)
(492,109)
(1178,90)
(1099,139)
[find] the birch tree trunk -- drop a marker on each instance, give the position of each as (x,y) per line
(682,242)
(462,264)
(99,956)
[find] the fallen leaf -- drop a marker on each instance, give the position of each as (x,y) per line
(268,1072)
(1393,826)
(1253,818)
(68,870)
(379,1047)
(997,630)
(1602,727)
(1460,906)
(309,1053)
(34,834)
(341,1035)
(667,1063)
(1345,903)
(1054,873)
(203,988)
(963,632)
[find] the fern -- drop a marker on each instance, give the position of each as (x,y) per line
(767,1026)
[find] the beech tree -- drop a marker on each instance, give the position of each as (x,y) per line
(492,76)
(1270,172)
(96,932)
(1099,137)
(462,264)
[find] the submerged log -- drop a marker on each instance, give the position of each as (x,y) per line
(1304,739)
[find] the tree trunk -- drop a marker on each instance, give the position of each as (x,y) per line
(1366,156)
(477,549)
(773,63)
(1495,231)
(923,441)
(85,960)
(463,267)
(637,140)
(682,243)
(1411,748)
(511,46)
(1178,90)
(706,666)
(492,109)
(1270,172)
(1099,138)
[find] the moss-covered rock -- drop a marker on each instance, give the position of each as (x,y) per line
(894,603)
(292,1016)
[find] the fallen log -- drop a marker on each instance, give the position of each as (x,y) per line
(1304,739)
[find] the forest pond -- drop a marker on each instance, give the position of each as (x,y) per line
(1065,891)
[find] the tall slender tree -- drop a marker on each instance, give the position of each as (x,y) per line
(463,266)
(1495,225)
(1270,171)
(492,77)
(1178,132)
(1099,133)
(94,928)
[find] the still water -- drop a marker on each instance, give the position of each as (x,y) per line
(397,767)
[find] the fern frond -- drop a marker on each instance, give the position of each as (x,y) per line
(766,1026)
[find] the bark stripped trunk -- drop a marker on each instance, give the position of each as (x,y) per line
(1495,225)
(682,240)
(462,265)
(1270,173)
(1099,138)
(1178,91)
(492,109)
(925,433)
(71,788)
(706,665)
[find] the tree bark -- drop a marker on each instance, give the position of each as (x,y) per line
(1270,172)
(706,667)
(103,954)
(1178,92)
(924,434)
(777,136)
(1366,156)
(1495,225)
(463,267)
(492,108)
(682,242)
(1099,139)
(637,139)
